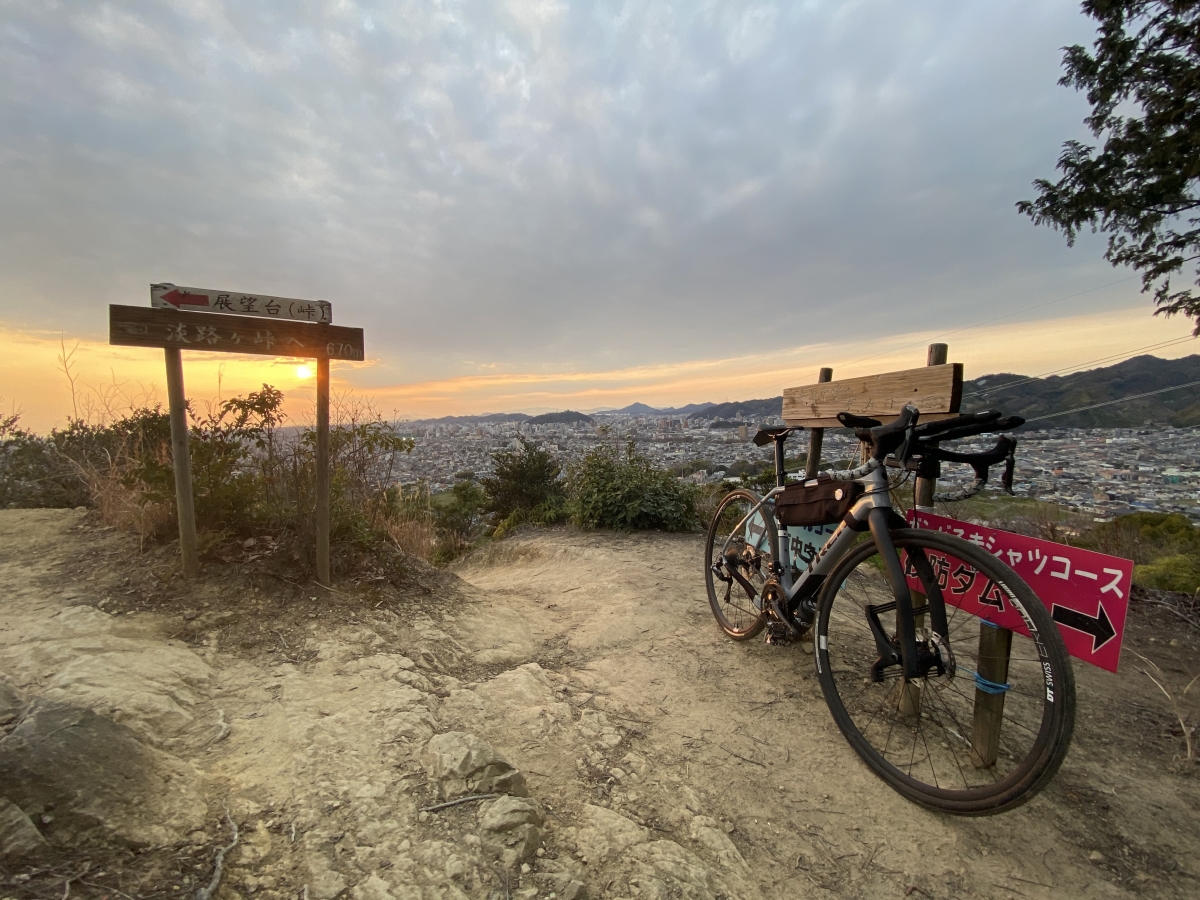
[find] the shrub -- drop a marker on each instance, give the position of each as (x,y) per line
(1165,548)
(625,491)
(32,472)
(525,487)
(459,518)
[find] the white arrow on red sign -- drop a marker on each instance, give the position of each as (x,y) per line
(239,303)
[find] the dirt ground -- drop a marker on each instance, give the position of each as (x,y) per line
(148,718)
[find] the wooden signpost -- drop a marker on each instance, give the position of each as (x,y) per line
(295,332)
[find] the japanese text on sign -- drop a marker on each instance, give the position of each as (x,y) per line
(1087,593)
(169,296)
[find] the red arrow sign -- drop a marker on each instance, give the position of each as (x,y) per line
(1087,593)
(178,299)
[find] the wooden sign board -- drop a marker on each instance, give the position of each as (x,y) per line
(137,326)
(189,299)
(935,390)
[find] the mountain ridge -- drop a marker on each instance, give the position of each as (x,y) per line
(1054,400)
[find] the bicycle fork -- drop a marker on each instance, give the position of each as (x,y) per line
(916,659)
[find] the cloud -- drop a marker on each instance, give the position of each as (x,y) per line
(540,185)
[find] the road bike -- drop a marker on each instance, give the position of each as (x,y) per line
(952,711)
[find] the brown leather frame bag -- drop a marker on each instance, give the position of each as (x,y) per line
(821,501)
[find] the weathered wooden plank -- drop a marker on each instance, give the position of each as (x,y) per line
(935,390)
(137,326)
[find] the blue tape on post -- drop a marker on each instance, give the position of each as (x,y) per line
(989,687)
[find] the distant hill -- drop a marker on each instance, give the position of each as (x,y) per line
(1013,394)
(566,417)
(745,410)
(641,409)
(1057,393)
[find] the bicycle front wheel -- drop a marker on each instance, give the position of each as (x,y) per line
(988,731)
(738,554)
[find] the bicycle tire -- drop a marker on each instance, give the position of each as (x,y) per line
(1037,705)
(740,614)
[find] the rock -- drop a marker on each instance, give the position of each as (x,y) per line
(605,834)
(10,704)
(147,685)
(462,763)
(597,730)
(507,813)
(575,890)
(418,725)
(372,888)
(98,778)
(666,869)
(710,835)
(19,837)
(509,830)
(324,883)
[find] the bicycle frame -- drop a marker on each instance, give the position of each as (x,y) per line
(871,512)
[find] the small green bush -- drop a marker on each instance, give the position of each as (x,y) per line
(525,486)
(1165,548)
(625,491)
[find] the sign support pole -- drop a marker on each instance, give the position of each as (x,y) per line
(910,700)
(181,463)
(816,437)
(322,470)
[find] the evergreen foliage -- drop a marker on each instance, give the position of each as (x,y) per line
(1140,187)
(625,491)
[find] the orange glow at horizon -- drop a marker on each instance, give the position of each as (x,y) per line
(109,380)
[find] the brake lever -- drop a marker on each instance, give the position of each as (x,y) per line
(1010,465)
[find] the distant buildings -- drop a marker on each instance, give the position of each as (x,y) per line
(1104,472)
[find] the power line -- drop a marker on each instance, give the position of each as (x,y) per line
(1127,354)
(991,321)
(1066,412)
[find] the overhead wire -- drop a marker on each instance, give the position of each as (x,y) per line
(1126,354)
(1066,412)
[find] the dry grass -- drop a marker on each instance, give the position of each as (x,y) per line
(414,536)
(1176,700)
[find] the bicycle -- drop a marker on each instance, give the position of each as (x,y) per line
(898,660)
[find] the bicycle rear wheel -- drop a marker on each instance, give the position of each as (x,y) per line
(960,741)
(737,563)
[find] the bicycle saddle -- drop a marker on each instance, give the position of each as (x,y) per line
(766,435)
(852,421)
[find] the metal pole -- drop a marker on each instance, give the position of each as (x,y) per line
(323,470)
(182,463)
(816,437)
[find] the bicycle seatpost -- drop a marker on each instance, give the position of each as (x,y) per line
(780,474)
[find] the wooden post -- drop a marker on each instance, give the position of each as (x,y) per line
(816,437)
(181,463)
(924,487)
(910,698)
(323,470)
(995,645)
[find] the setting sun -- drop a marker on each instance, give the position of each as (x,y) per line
(303,372)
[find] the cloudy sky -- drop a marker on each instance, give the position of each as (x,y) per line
(537,205)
